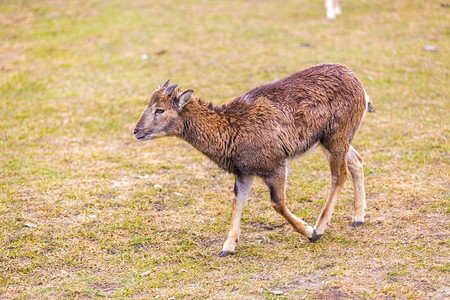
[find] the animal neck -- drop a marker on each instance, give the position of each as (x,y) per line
(208,131)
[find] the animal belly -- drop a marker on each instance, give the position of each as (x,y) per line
(308,151)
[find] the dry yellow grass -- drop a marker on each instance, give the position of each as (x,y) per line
(85,209)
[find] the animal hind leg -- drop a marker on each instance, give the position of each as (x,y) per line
(355,166)
(338,168)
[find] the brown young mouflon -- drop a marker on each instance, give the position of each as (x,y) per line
(256,133)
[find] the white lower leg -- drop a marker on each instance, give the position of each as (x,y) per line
(241,191)
(330,7)
(233,235)
(338,7)
(355,166)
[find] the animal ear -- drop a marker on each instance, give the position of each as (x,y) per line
(183,98)
(166,84)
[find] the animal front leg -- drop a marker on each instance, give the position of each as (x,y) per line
(276,183)
(242,187)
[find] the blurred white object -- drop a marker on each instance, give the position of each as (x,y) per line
(145,273)
(430,48)
(333,8)
(277,292)
(144,56)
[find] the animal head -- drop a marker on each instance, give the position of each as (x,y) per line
(161,117)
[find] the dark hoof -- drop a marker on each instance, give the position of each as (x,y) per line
(225,253)
(357,224)
(315,236)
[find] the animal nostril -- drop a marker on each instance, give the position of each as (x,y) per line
(136,131)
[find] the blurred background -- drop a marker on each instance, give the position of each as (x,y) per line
(86,210)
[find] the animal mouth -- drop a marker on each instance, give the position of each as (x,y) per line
(143,137)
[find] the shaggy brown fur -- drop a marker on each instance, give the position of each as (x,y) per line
(254,134)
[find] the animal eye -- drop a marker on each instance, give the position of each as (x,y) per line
(159,111)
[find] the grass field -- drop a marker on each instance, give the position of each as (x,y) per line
(88,212)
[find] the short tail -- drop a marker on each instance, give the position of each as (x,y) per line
(368,102)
